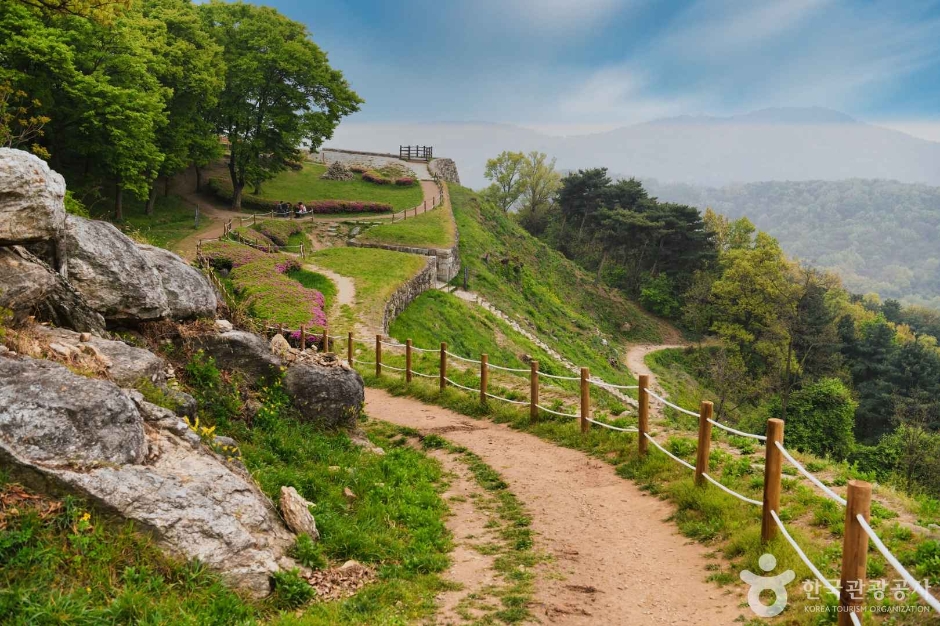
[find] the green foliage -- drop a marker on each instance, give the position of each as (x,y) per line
(820,419)
(305,185)
(291,590)
(274,101)
(309,553)
(279,231)
(434,229)
(74,206)
(658,296)
(506,173)
(267,289)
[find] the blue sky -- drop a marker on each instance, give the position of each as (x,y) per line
(582,64)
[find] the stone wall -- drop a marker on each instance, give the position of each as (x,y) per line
(447,259)
(444,169)
(404,295)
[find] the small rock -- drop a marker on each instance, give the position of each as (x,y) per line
(334,469)
(359,439)
(933,527)
(4,349)
(62,349)
(222,440)
(296,511)
(91,350)
(349,493)
(279,346)
(84,337)
(223,326)
(352,567)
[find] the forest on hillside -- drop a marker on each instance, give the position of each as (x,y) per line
(880,236)
(855,378)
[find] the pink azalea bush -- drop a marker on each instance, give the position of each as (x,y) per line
(373,176)
(348,206)
(271,294)
(405,181)
(229,254)
(279,230)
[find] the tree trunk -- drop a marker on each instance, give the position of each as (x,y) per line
(152,198)
(166,186)
(118,202)
(786,383)
(237,185)
(198,177)
(600,267)
(237,196)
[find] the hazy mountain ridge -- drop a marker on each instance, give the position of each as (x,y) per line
(879,235)
(770,144)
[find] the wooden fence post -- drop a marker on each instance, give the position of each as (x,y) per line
(443,365)
(643,421)
(533,391)
(854,552)
(349,348)
(303,338)
(773,467)
(302,254)
(254,220)
(280,329)
(378,355)
(408,361)
(585,399)
(704,442)
(484,376)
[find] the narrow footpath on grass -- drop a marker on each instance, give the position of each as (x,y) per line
(614,557)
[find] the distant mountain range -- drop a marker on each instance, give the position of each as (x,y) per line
(771,144)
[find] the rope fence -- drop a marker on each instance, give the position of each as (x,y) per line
(857,531)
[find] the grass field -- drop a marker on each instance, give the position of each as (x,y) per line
(306,185)
(173,220)
(528,280)
(376,273)
(434,229)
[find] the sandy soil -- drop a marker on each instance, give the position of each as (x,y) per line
(635,360)
(616,560)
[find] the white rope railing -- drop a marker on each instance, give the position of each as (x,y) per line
(829,492)
(628,429)
(601,383)
(730,491)
(417,349)
(392,345)
(363,362)
(489,395)
(424,375)
(556,377)
(890,558)
(392,367)
(668,403)
(461,358)
(547,410)
(459,385)
(828,585)
(508,369)
(669,454)
(737,432)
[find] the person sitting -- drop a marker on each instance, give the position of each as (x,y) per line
(301,208)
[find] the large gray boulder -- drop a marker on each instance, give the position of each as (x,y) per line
(127,366)
(111,272)
(189,293)
(52,416)
(31,199)
(30,287)
(242,352)
(62,433)
(330,396)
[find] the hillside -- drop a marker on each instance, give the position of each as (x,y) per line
(878,235)
(771,144)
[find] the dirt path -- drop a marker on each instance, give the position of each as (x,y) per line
(615,558)
(635,359)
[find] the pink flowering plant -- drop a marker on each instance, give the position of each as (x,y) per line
(271,294)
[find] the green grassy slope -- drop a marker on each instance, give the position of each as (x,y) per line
(535,284)
(434,229)
(306,185)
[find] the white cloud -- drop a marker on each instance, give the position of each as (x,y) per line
(922,130)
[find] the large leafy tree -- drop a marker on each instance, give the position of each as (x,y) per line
(192,70)
(506,173)
(280,91)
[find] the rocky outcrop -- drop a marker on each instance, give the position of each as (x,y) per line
(337,171)
(188,293)
(30,287)
(32,205)
(296,512)
(110,271)
(331,397)
(242,352)
(447,259)
(126,365)
(444,169)
(62,433)
(408,291)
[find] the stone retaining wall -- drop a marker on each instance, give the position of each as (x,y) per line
(404,295)
(444,169)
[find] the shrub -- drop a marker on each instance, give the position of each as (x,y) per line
(279,231)
(227,255)
(272,295)
(358,168)
(291,590)
(405,181)
(249,235)
(348,206)
(820,418)
(372,176)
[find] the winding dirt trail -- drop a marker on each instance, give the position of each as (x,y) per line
(635,359)
(616,560)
